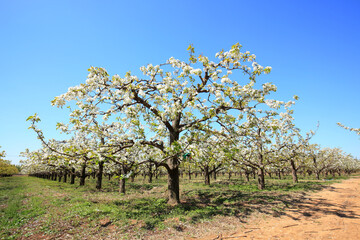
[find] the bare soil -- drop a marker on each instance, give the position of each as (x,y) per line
(333,213)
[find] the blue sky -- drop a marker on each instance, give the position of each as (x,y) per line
(47,46)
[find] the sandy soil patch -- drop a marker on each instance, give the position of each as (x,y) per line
(333,213)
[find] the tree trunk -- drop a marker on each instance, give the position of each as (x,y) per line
(151,173)
(83,175)
(173,166)
(144,175)
(122,185)
(60,176)
(157,173)
(173,181)
(99,175)
(207,175)
(294,175)
(229,175)
(317,175)
(122,180)
(293,171)
(72,174)
(247,175)
(261,178)
(150,178)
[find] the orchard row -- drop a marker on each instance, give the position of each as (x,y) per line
(188,116)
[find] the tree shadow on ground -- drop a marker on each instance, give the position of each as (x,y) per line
(241,204)
(235,203)
(316,206)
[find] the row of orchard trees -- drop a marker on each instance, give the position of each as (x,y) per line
(312,161)
(6,168)
(212,115)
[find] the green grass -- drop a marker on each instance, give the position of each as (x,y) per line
(18,206)
(34,207)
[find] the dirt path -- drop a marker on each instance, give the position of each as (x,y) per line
(333,213)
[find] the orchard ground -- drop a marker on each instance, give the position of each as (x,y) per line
(33,208)
(333,213)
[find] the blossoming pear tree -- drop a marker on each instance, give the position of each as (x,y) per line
(207,152)
(321,159)
(172,99)
(80,148)
(292,143)
(263,135)
(348,164)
